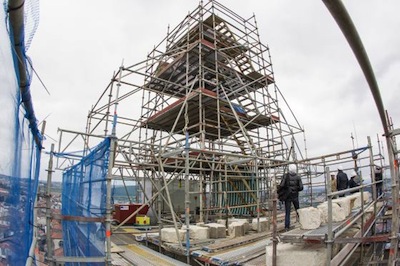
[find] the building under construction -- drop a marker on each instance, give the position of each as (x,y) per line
(209,141)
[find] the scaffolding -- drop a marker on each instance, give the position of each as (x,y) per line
(201,127)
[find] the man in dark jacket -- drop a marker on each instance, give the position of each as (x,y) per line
(342,181)
(292,183)
(352,181)
(378,178)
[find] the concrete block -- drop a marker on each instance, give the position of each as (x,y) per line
(236,229)
(199,232)
(338,213)
(344,202)
(298,254)
(216,230)
(263,224)
(309,218)
(169,235)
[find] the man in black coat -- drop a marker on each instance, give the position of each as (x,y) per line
(342,181)
(291,183)
(352,181)
(378,178)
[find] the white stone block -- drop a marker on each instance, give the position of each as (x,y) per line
(343,202)
(245,223)
(223,221)
(169,235)
(216,230)
(353,197)
(236,229)
(338,213)
(199,232)
(298,254)
(366,198)
(309,218)
(263,224)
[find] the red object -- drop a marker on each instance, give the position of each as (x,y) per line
(122,211)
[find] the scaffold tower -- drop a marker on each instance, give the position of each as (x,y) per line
(199,125)
(210,124)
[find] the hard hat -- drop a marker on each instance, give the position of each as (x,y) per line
(354,173)
(340,168)
(377,169)
(292,168)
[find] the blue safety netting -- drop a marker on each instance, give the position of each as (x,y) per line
(84,196)
(20,143)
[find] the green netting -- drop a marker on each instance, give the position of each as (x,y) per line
(84,195)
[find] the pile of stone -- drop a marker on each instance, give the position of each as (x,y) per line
(312,218)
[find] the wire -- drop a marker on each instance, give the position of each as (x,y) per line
(37,75)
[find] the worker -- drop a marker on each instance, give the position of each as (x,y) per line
(352,182)
(292,184)
(378,179)
(333,183)
(342,181)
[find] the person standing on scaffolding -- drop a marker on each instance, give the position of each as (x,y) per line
(342,181)
(352,182)
(291,183)
(378,178)
(333,184)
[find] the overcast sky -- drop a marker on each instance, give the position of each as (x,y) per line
(79,44)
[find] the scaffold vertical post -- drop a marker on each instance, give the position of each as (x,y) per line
(187,198)
(49,241)
(113,146)
(329,241)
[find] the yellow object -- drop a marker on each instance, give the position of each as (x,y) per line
(142,220)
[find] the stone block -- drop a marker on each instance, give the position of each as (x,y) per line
(309,218)
(236,229)
(245,223)
(263,224)
(366,197)
(338,213)
(216,230)
(298,254)
(199,232)
(169,235)
(343,202)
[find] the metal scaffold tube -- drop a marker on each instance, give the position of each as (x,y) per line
(49,240)
(341,16)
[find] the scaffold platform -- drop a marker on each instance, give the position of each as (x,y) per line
(135,254)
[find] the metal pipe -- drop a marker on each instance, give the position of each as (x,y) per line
(49,241)
(31,253)
(329,241)
(112,155)
(16,17)
(342,18)
(187,199)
